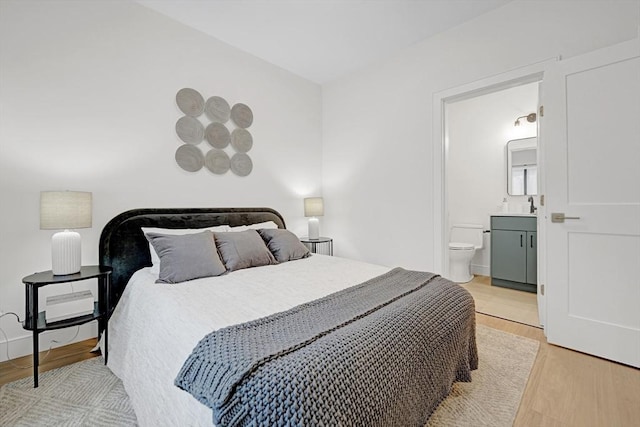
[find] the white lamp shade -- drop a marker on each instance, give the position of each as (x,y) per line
(313,206)
(65,210)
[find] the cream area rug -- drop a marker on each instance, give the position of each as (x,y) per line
(88,394)
(83,394)
(493,396)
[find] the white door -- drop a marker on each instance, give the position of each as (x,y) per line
(592,157)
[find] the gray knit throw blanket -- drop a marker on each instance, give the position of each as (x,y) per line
(385,352)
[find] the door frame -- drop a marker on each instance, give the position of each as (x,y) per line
(516,77)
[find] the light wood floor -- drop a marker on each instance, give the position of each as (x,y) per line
(506,303)
(61,356)
(565,388)
(568,388)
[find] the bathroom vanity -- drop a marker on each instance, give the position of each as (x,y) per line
(514,252)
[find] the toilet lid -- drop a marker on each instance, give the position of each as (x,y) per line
(463,246)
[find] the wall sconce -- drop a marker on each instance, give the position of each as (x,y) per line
(531,118)
(313,208)
(65,210)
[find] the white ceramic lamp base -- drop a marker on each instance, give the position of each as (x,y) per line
(66,253)
(314,228)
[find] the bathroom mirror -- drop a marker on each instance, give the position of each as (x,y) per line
(522,167)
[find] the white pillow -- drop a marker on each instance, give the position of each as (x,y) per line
(155,259)
(258,226)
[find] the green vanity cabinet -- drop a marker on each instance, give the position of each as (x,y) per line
(514,252)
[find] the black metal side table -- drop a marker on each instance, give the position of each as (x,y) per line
(321,245)
(36,321)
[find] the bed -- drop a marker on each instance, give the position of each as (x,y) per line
(155,328)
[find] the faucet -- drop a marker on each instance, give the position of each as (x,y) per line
(532,208)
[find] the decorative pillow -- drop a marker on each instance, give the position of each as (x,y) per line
(243,249)
(186,257)
(283,244)
(155,260)
(257,226)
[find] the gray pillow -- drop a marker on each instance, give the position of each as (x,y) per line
(186,257)
(283,244)
(243,249)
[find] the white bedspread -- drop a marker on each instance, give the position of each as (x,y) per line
(155,327)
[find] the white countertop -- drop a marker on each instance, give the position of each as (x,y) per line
(513,214)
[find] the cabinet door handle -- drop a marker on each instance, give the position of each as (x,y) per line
(521,240)
(531,241)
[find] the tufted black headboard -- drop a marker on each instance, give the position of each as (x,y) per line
(124,248)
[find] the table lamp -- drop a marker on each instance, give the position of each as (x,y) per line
(313,208)
(65,210)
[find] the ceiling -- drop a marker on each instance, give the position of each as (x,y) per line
(322,40)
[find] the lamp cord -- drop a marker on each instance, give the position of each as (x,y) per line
(6,339)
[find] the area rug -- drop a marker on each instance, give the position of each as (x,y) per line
(83,394)
(493,396)
(88,394)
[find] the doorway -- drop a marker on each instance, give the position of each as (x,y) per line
(479,133)
(518,77)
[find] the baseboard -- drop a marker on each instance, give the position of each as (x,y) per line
(22,345)
(482,270)
(527,287)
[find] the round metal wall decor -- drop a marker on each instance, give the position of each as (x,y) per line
(189,158)
(217,161)
(217,109)
(241,164)
(241,140)
(190,102)
(242,115)
(190,130)
(217,135)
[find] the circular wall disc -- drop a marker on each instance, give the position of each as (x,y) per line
(190,130)
(190,102)
(241,164)
(242,115)
(241,140)
(217,161)
(189,158)
(217,135)
(217,109)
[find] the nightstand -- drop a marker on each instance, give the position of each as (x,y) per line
(321,245)
(35,321)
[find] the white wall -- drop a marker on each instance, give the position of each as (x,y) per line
(477,133)
(87,102)
(377,123)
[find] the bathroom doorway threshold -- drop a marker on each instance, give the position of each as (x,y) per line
(505,303)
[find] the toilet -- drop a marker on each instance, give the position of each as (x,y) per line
(464,240)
